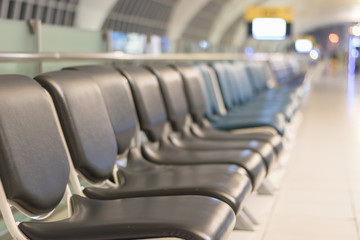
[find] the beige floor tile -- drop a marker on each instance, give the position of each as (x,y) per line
(319,195)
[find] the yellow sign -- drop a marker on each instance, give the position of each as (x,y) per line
(286,13)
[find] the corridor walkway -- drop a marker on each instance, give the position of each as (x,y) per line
(319,194)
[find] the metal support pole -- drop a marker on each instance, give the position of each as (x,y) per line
(35,28)
(124,57)
(108,43)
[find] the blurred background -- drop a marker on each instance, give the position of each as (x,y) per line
(186,26)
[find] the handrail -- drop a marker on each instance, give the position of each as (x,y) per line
(120,56)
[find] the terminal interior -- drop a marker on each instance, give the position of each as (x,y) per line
(180,119)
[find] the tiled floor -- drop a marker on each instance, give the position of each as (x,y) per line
(319,194)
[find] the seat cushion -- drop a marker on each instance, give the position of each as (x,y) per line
(228,183)
(249,160)
(209,133)
(233,122)
(263,111)
(192,143)
(187,217)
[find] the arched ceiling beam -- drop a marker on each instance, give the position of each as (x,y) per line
(182,14)
(240,34)
(229,13)
(312,21)
(307,19)
(91,14)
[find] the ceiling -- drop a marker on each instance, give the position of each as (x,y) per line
(217,21)
(312,14)
(221,20)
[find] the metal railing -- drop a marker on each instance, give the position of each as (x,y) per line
(120,56)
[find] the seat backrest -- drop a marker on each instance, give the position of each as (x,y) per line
(237,84)
(148,100)
(224,83)
(173,92)
(256,75)
(194,91)
(117,96)
(243,81)
(34,167)
(84,120)
(279,68)
(211,106)
(263,73)
(233,84)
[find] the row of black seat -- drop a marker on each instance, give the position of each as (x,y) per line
(186,177)
(248,101)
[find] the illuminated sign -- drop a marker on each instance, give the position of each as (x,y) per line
(269,28)
(269,23)
(308,37)
(303,45)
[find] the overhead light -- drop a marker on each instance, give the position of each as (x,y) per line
(204,44)
(355,30)
(355,53)
(303,45)
(249,51)
(333,38)
(355,41)
(314,54)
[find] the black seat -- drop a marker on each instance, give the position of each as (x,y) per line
(168,154)
(173,92)
(34,171)
(153,119)
(89,110)
(203,103)
(229,183)
(185,217)
(234,120)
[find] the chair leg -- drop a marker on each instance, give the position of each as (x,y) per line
(266,188)
(250,215)
(244,223)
